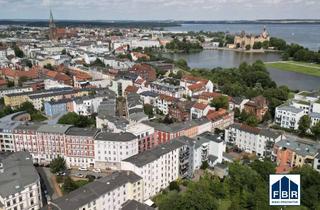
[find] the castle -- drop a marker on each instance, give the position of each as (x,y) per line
(242,40)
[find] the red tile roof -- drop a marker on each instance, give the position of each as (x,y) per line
(166,98)
(3,82)
(196,87)
(214,115)
(131,89)
(200,106)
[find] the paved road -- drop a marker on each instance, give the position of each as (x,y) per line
(46,175)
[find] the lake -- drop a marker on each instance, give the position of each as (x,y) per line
(227,59)
(307,35)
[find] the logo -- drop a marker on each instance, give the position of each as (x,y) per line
(284,190)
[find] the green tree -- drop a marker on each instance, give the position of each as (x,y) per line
(204,165)
(22,80)
(72,118)
(181,63)
(58,164)
(48,66)
(264,168)
(251,121)
(18,52)
(257,45)
(304,124)
(248,47)
(316,131)
(220,102)
(69,185)
(174,186)
(148,110)
(310,182)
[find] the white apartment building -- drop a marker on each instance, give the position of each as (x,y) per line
(110,192)
(111,148)
(251,139)
(158,166)
(19,182)
(288,116)
(86,105)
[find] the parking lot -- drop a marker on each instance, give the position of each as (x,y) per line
(82,174)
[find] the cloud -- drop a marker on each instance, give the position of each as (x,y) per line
(162,9)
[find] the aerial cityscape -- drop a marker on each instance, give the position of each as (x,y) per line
(172,105)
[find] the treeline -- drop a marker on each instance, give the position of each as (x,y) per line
(246,187)
(183,46)
(247,81)
(295,51)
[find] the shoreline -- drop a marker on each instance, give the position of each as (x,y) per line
(241,50)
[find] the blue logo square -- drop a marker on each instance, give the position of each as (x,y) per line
(284,190)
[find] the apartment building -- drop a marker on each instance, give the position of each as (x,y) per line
(291,153)
(79,144)
(13,90)
(157,167)
(51,141)
(147,138)
(111,148)
(251,139)
(110,192)
(288,116)
(20,187)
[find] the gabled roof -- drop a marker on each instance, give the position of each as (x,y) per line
(200,106)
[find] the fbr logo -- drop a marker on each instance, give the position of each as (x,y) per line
(284,190)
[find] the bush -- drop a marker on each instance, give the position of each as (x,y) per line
(174,186)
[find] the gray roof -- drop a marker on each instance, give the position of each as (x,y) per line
(211,136)
(149,156)
(135,205)
(256,131)
(120,122)
(149,94)
(300,146)
(93,190)
(29,126)
(314,115)
(6,122)
(54,128)
(18,172)
(74,131)
(212,158)
(107,107)
(107,136)
(289,109)
(175,127)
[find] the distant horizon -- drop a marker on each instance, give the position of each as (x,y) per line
(153,20)
(160,9)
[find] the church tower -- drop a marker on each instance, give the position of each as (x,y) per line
(52,27)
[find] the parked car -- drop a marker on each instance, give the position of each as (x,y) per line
(96,170)
(61,173)
(79,175)
(90,177)
(83,169)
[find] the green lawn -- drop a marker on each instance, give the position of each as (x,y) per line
(299,67)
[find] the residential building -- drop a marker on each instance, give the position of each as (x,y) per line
(110,192)
(206,147)
(200,110)
(251,139)
(157,167)
(167,89)
(20,187)
(145,71)
(12,90)
(288,116)
(7,126)
(257,106)
(111,148)
(163,103)
(51,140)
(291,153)
(79,145)
(146,135)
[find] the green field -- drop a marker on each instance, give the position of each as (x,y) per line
(299,67)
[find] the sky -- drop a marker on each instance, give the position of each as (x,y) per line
(160,9)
